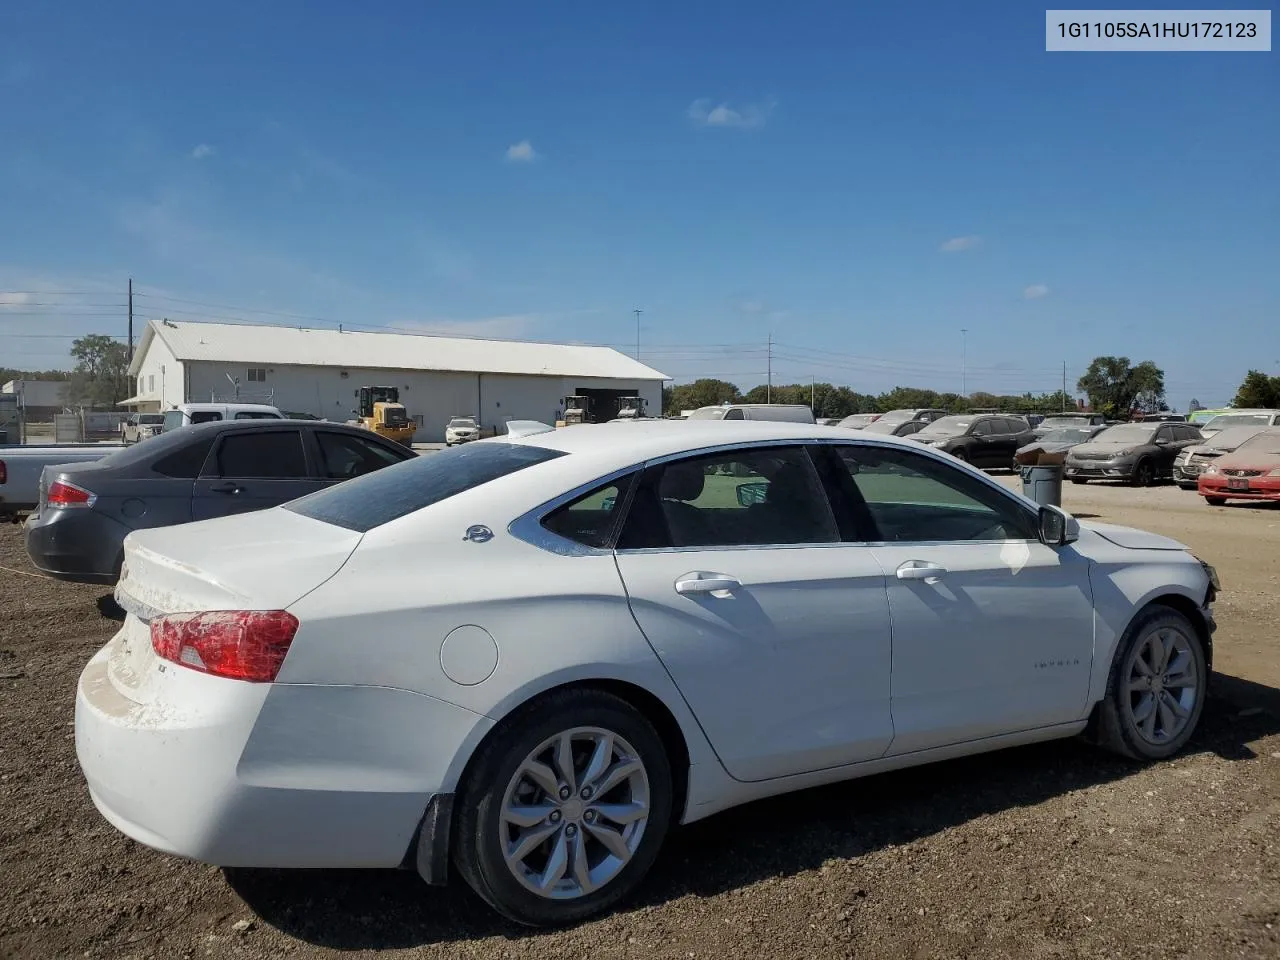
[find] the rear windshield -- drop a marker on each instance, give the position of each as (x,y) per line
(385,495)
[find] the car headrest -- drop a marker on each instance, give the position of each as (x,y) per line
(789,485)
(682,481)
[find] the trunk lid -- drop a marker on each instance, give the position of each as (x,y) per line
(264,560)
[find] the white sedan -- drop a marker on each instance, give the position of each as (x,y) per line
(529,657)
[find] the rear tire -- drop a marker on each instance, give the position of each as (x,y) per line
(1216,501)
(1080,482)
(613,808)
(1156,688)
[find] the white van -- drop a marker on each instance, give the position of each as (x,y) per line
(786,412)
(188,413)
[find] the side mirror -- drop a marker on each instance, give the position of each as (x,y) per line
(1057,527)
(750,493)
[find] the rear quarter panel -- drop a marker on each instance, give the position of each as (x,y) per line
(554,620)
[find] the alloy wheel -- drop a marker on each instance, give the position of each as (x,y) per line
(574,813)
(1162,684)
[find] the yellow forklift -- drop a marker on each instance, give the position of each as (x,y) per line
(382,412)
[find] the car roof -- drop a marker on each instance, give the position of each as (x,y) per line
(611,445)
(270,423)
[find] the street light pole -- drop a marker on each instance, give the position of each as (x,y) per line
(637,312)
(964,362)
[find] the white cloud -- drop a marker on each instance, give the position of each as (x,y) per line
(201,152)
(521,152)
(960,244)
(13,301)
(1035,292)
(709,114)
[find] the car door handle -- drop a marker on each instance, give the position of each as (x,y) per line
(706,583)
(226,488)
(920,570)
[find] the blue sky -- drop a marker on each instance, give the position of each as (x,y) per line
(860,180)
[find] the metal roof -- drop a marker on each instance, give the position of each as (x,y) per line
(312,347)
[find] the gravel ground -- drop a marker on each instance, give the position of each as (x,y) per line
(1047,851)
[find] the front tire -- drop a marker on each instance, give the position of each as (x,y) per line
(1216,501)
(1156,689)
(1144,474)
(564,808)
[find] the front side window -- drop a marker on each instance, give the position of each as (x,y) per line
(762,497)
(909,497)
(982,429)
(270,455)
(172,420)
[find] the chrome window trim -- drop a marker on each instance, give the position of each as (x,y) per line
(528,526)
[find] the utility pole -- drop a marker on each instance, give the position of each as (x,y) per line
(1064,386)
(768,390)
(637,312)
(964,362)
(811,392)
(131,319)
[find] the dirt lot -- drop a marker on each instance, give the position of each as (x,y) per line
(1048,851)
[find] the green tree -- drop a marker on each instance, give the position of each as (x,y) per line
(1116,387)
(700,393)
(1258,390)
(101,374)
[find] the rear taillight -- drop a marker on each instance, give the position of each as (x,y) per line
(63,494)
(237,644)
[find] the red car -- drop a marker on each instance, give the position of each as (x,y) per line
(1250,472)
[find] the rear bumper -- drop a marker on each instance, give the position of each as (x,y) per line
(264,775)
(79,545)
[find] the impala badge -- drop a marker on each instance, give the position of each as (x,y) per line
(478,533)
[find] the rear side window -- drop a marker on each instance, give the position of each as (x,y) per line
(343,456)
(205,416)
(377,498)
(185,463)
(255,415)
(592,519)
(734,414)
(261,455)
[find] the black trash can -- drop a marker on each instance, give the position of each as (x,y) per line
(1043,483)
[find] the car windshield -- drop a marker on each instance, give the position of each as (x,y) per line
(1225,420)
(858,420)
(882,426)
(1128,433)
(376,498)
(172,420)
(1067,435)
(945,427)
(152,418)
(1232,437)
(462,422)
(1063,422)
(708,413)
(898,416)
(1265,444)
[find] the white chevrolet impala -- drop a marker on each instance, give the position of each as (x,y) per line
(528,657)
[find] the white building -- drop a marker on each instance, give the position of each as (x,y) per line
(315,371)
(41,399)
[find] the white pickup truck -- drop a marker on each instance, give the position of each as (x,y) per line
(21,467)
